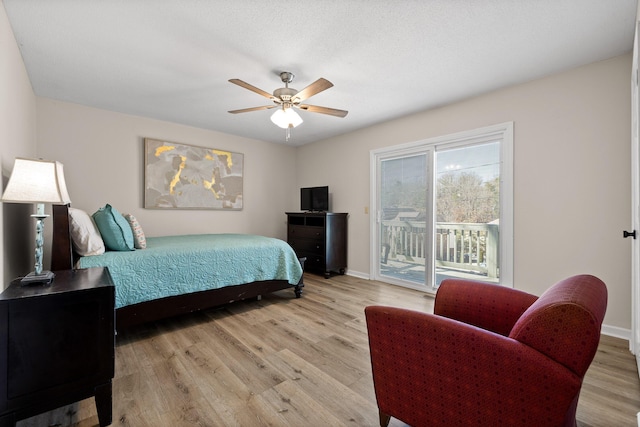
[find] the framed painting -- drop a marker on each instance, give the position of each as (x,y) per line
(181,176)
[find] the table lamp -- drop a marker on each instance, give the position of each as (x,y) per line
(39,182)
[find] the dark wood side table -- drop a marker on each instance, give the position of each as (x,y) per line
(57,344)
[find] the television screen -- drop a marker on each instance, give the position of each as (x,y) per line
(314,199)
(305,199)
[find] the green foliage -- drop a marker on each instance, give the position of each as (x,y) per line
(461,197)
(407,195)
(464,198)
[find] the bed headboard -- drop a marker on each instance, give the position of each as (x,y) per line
(61,248)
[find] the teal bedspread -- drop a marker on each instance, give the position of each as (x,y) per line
(175,265)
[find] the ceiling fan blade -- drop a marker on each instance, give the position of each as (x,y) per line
(315,87)
(246,110)
(324,110)
(251,88)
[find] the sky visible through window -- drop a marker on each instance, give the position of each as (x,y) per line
(483,160)
(406,170)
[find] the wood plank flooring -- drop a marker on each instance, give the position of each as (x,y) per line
(283,361)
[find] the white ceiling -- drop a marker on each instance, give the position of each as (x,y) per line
(172,59)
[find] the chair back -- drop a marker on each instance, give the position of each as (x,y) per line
(565,322)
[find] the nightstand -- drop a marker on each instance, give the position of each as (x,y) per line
(57,344)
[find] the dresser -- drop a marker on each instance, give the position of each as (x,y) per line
(58,344)
(320,237)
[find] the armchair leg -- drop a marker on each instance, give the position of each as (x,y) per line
(384,419)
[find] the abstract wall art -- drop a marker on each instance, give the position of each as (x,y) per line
(181,176)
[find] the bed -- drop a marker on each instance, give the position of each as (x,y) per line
(205,271)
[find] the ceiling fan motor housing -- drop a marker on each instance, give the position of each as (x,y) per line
(285,93)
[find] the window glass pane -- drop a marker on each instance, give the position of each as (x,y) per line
(467,212)
(403,204)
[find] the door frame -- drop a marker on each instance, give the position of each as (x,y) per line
(634,341)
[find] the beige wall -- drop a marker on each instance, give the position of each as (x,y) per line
(571,167)
(103,157)
(17,139)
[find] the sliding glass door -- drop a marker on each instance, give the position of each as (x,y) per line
(443,209)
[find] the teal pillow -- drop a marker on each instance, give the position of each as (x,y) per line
(115,230)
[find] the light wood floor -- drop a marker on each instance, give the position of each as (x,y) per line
(292,362)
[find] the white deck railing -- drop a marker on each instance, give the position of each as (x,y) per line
(467,247)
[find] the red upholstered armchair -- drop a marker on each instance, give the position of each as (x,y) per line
(489,355)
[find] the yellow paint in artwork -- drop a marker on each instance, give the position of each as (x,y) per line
(209,186)
(176,177)
(223,153)
(164,149)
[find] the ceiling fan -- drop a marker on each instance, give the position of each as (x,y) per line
(288,98)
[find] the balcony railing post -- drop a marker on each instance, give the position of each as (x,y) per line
(492,250)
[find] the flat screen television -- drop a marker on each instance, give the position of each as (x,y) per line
(314,199)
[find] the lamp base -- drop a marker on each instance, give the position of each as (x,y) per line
(33,278)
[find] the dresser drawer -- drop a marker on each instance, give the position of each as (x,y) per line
(307,246)
(296,231)
(314,262)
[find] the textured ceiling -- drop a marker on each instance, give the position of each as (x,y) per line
(172,59)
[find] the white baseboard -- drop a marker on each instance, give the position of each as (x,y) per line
(357,274)
(616,332)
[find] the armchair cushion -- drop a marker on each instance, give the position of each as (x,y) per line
(491,307)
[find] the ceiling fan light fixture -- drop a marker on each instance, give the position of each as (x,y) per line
(286,118)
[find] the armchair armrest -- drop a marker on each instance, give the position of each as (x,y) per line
(491,307)
(433,370)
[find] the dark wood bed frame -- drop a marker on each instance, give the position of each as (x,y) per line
(63,258)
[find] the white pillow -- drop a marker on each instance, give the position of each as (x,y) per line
(84,233)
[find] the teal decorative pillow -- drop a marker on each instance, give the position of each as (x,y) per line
(114,229)
(139,239)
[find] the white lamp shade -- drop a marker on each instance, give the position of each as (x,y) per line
(36,181)
(286,118)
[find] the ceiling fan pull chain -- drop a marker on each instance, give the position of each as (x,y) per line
(287,134)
